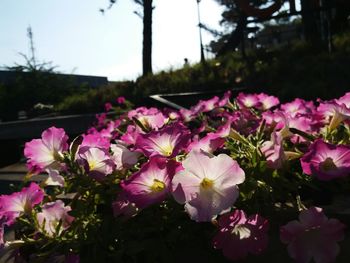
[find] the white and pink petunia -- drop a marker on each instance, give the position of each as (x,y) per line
(95,140)
(96,161)
(46,152)
(273,151)
(239,235)
(122,156)
(54,178)
(207,185)
(326,161)
(333,113)
(209,143)
(123,207)
(298,107)
(248,100)
(15,204)
(150,118)
(54,214)
(313,236)
(167,142)
(151,184)
(267,101)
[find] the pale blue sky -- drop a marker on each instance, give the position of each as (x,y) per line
(77,38)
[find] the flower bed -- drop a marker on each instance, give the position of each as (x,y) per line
(219,181)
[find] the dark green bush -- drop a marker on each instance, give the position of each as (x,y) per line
(93,100)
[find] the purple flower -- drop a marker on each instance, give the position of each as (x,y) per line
(313,236)
(207,185)
(53,214)
(239,235)
(46,152)
(11,206)
(151,184)
(326,161)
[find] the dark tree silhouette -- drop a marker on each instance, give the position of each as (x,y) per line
(234,18)
(147,37)
(320,19)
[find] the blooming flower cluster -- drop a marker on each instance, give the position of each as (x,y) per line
(225,166)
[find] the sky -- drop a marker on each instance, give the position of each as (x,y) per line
(77,38)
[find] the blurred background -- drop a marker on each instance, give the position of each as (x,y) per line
(62,60)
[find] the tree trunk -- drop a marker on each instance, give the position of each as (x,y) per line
(236,36)
(147,38)
(309,18)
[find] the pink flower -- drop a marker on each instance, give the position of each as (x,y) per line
(95,140)
(101,119)
(151,184)
(344,100)
(121,100)
(108,106)
(166,142)
(123,207)
(131,134)
(326,161)
(207,185)
(301,123)
(273,151)
(54,178)
(225,99)
(298,107)
(11,206)
(278,119)
(123,157)
(244,121)
(313,236)
(207,105)
(209,143)
(188,115)
(46,152)
(151,119)
(52,214)
(96,161)
(267,102)
(248,100)
(333,113)
(239,235)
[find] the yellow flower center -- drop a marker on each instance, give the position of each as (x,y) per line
(166,150)
(92,165)
(157,186)
(56,156)
(328,165)
(241,231)
(207,183)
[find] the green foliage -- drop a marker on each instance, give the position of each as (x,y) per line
(93,100)
(296,70)
(342,42)
(30,88)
